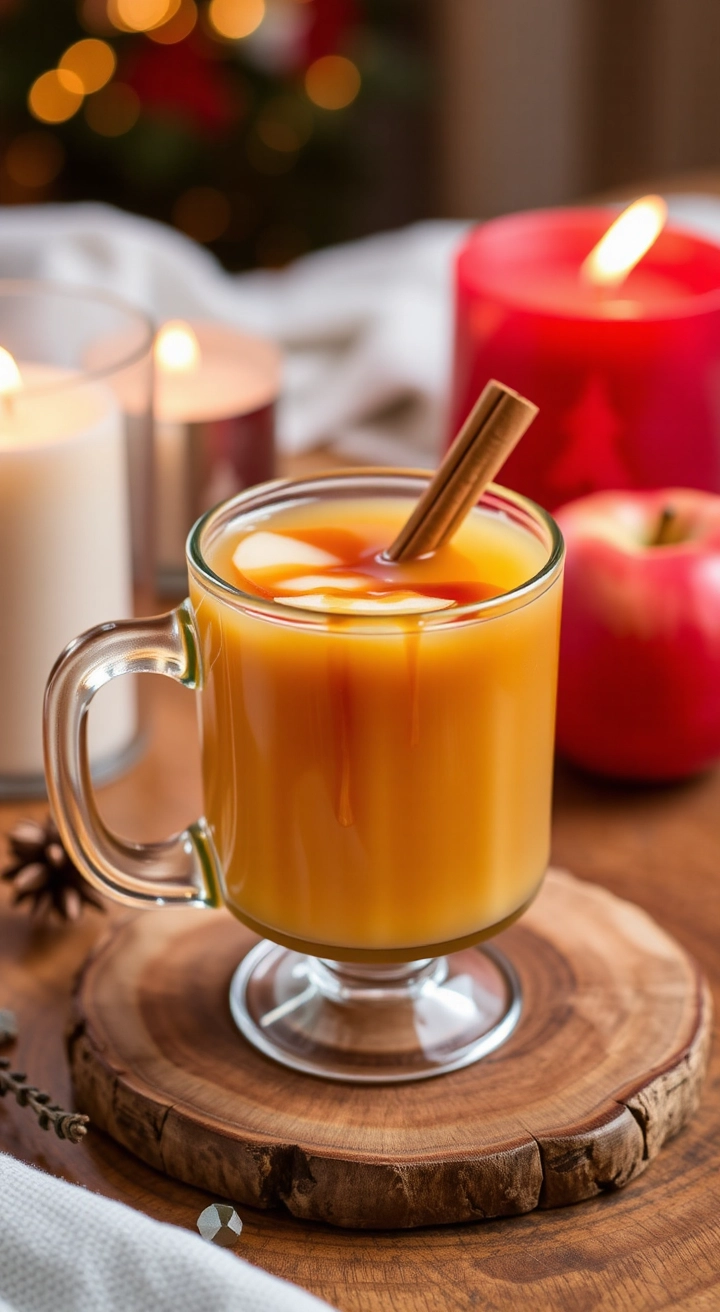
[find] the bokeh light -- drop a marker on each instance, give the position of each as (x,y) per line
(141,15)
(113,111)
(285,124)
(236,18)
(278,134)
(55,96)
(92,61)
(93,16)
(332,82)
(113,14)
(34,159)
(202,213)
(178,27)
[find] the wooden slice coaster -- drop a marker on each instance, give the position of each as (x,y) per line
(605,1065)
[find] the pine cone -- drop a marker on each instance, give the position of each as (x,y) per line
(43,874)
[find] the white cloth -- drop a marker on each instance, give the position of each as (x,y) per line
(63,1249)
(367,326)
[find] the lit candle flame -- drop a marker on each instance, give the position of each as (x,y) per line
(177,349)
(625,242)
(10,379)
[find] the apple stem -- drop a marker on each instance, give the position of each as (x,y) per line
(666,529)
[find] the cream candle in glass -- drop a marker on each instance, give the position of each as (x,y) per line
(75,476)
(64,544)
(215,393)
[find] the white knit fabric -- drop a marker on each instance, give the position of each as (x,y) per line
(366,326)
(63,1249)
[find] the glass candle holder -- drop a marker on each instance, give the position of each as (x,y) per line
(75,487)
(215,397)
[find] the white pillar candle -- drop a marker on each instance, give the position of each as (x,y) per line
(211,383)
(65,558)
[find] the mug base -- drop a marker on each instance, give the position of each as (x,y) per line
(380,955)
(375,1024)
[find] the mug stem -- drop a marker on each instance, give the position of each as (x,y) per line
(349,981)
(375,1023)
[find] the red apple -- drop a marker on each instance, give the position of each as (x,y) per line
(639,690)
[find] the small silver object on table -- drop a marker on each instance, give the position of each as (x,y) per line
(220,1224)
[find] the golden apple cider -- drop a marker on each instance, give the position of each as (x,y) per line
(377,762)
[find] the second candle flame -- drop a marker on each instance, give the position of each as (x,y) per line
(10,376)
(10,380)
(625,242)
(177,349)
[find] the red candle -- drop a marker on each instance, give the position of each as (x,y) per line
(627,376)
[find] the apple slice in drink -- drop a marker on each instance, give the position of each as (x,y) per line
(387,603)
(322,582)
(262,556)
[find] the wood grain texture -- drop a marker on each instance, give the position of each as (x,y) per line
(605,1066)
(650,1247)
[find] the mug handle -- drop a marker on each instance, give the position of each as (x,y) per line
(180,871)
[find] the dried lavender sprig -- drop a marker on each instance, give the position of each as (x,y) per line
(67,1125)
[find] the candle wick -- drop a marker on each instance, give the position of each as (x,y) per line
(8,404)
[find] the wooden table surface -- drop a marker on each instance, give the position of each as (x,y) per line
(654,1245)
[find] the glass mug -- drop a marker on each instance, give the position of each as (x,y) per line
(377,793)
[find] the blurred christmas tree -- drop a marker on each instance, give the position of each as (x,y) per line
(261,127)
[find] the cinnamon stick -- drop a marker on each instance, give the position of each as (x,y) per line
(496,423)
